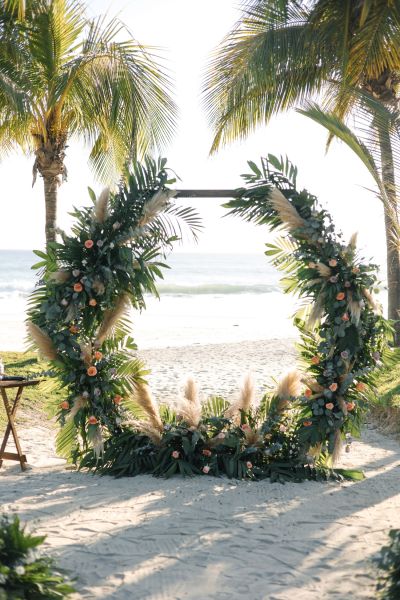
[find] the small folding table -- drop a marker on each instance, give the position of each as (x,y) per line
(11,411)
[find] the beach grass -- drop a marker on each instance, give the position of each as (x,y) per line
(36,398)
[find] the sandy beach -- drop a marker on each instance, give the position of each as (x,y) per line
(150,539)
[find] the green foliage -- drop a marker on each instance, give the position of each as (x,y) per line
(112,259)
(388,564)
(24,573)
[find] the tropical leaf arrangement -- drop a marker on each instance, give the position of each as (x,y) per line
(25,572)
(78,314)
(388,563)
(110,421)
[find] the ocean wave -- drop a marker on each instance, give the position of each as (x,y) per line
(214,288)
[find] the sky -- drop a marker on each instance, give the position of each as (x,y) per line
(187,32)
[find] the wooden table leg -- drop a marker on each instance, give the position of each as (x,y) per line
(11,412)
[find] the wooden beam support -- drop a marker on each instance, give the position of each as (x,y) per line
(205,194)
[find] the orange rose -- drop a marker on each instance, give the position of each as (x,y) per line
(92,302)
(64,405)
(117,399)
(308,393)
(333,387)
(332,262)
(340,296)
(350,406)
(360,387)
(98,355)
(92,371)
(329,405)
(74,329)
(92,420)
(355,270)
(315,360)
(78,287)
(345,317)
(307,423)
(89,244)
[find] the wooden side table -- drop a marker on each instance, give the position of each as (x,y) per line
(11,411)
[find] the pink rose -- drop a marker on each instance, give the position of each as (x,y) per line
(329,405)
(175,454)
(249,465)
(206,452)
(282,428)
(206,469)
(221,435)
(245,427)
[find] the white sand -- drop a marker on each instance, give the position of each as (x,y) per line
(150,539)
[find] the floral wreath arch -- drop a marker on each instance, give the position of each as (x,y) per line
(110,422)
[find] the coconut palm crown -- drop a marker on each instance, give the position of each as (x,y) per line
(64,76)
(284,54)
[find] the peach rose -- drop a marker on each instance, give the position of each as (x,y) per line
(206,452)
(345,317)
(98,355)
(340,296)
(175,454)
(245,427)
(312,265)
(65,405)
(282,428)
(92,420)
(333,387)
(78,287)
(308,393)
(350,406)
(315,360)
(117,399)
(206,469)
(332,262)
(249,465)
(89,244)
(329,405)
(221,435)
(92,302)
(355,270)
(92,371)
(360,387)
(74,329)
(307,423)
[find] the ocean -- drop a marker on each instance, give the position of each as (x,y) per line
(204,298)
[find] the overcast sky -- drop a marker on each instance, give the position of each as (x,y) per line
(188,31)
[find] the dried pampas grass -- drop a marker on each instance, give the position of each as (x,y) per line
(111,318)
(60,276)
(288,388)
(145,400)
(148,429)
(342,405)
(155,205)
(323,270)
(287,213)
(79,402)
(245,400)
(189,407)
(42,341)
(86,353)
(317,311)
(101,206)
(96,438)
(352,245)
(354,307)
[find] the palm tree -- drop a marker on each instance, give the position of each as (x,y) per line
(284,53)
(64,76)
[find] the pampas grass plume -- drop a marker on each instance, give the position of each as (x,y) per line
(189,408)
(155,205)
(371,301)
(42,341)
(245,400)
(101,206)
(111,318)
(79,402)
(148,429)
(287,213)
(145,400)
(60,276)
(288,388)
(323,270)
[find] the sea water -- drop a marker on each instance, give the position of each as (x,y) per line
(204,298)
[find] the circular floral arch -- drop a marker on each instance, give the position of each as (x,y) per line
(78,320)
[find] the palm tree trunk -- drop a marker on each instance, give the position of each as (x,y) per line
(392,242)
(50,198)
